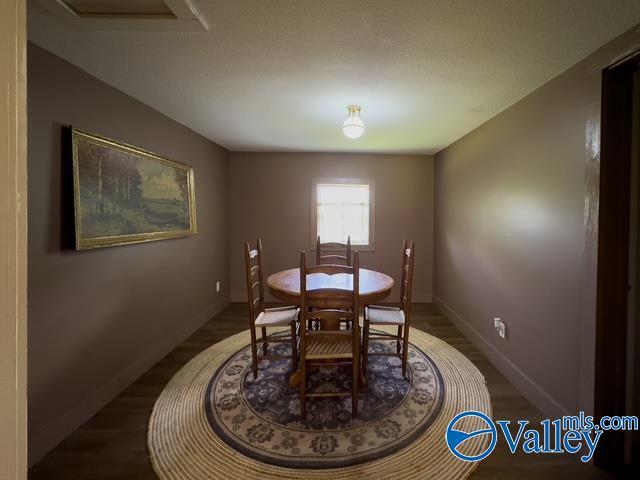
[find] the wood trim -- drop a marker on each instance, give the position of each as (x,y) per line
(613,257)
(13,241)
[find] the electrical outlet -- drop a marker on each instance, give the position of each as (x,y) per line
(218,287)
(502,330)
(500,327)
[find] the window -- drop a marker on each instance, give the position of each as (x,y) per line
(342,208)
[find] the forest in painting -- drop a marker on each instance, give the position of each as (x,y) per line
(124,194)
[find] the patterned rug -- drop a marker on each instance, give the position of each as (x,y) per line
(261,418)
(214,420)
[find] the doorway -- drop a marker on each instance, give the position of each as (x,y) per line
(617,361)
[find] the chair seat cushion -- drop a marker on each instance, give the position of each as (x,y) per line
(384,315)
(329,347)
(274,317)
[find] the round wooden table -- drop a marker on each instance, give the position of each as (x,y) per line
(333,290)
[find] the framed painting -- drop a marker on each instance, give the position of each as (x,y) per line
(124,194)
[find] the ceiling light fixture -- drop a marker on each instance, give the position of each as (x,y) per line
(353,126)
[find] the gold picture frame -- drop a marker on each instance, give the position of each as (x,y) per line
(125,194)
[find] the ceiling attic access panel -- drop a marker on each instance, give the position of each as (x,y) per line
(152,15)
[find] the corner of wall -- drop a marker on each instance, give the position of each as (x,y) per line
(43,440)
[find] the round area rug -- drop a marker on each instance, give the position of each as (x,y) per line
(214,420)
(261,418)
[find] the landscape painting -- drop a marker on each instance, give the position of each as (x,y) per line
(124,194)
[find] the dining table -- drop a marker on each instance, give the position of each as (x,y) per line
(329,291)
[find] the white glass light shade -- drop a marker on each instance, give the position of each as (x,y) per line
(353,126)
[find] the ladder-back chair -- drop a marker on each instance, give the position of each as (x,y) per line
(329,345)
(263,318)
(333,258)
(392,316)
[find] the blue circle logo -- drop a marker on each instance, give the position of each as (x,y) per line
(456,437)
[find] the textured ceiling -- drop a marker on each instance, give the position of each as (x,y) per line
(278,75)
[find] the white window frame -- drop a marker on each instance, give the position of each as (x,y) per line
(372,210)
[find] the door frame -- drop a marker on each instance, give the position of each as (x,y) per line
(13,240)
(613,256)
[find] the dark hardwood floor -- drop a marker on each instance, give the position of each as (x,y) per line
(112,445)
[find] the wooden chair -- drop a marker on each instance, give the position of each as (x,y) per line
(263,318)
(400,317)
(330,345)
(334,259)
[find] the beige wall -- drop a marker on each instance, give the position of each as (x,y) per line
(13,242)
(270,197)
(98,319)
(515,234)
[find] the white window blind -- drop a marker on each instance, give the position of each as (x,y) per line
(343,210)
